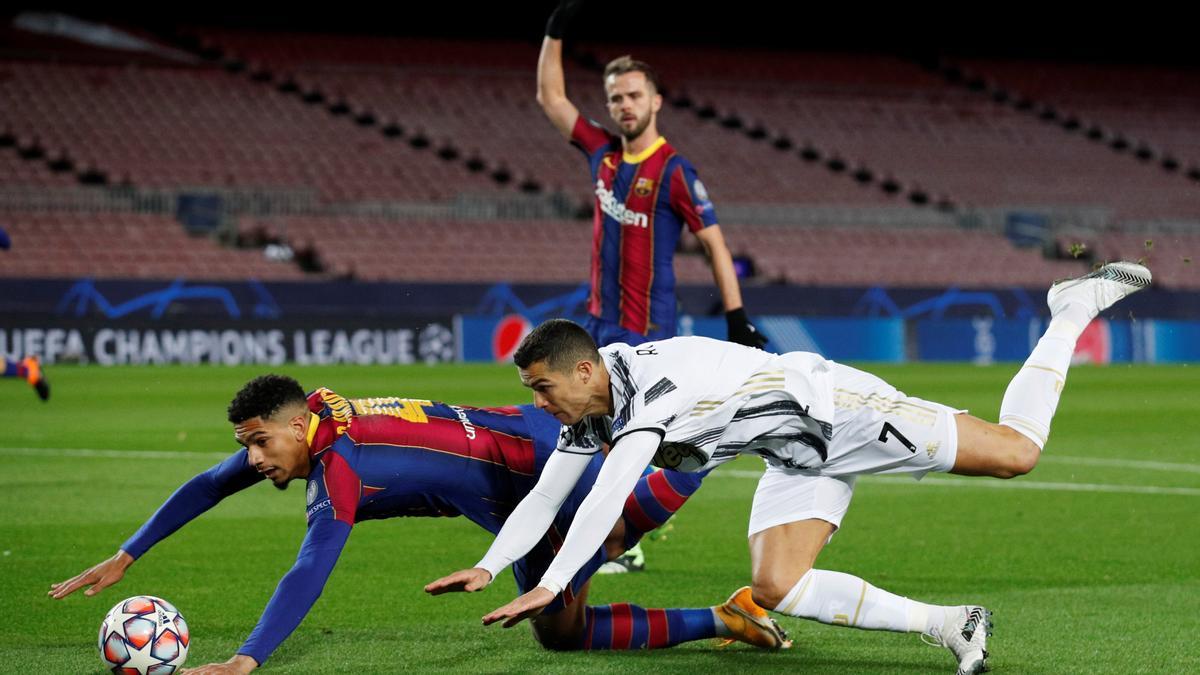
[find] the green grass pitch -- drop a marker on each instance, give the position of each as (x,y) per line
(1091,563)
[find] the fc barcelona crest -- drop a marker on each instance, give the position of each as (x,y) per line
(643,187)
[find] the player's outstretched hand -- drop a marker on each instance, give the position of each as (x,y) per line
(529,605)
(99,577)
(742,331)
(238,665)
(468,581)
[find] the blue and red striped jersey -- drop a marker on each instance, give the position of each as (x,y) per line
(642,203)
(392,457)
(388,457)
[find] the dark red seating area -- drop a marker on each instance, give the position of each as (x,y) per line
(1173,257)
(489,110)
(162,127)
(124,245)
(16,171)
(539,251)
(300,50)
(878,112)
(181,127)
(897,120)
(558,252)
(1154,105)
(370,250)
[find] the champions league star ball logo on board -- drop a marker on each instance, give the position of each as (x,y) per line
(435,344)
(507,336)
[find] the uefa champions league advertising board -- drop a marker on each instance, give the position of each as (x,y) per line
(430,340)
(119,323)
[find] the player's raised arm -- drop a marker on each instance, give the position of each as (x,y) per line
(524,527)
(593,521)
(551,83)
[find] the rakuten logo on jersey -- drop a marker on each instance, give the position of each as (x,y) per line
(614,208)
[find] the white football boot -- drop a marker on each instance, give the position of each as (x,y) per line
(1099,290)
(965,632)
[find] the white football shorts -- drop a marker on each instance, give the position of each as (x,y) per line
(876,429)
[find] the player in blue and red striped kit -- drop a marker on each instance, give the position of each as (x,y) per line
(645,193)
(368,459)
(30,370)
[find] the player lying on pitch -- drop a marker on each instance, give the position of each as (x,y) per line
(692,404)
(379,458)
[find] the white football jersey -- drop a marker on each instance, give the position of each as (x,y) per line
(712,400)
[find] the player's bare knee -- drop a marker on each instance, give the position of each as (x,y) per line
(1025,456)
(614,544)
(613,548)
(769,590)
(999,452)
(1020,455)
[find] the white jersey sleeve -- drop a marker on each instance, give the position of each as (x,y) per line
(595,517)
(527,523)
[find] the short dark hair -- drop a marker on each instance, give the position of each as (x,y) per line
(560,343)
(264,396)
(628,64)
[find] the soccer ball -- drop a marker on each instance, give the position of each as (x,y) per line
(144,635)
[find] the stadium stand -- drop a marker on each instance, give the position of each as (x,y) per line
(1146,105)
(1174,256)
(173,127)
(894,118)
(795,131)
(124,245)
(419,251)
(415,85)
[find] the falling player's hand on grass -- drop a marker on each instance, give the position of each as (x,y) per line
(468,581)
(238,665)
(99,577)
(529,605)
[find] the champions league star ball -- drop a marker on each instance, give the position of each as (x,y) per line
(144,635)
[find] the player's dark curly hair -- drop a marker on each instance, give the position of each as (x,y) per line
(560,343)
(264,396)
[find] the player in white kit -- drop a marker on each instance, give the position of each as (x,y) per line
(691,404)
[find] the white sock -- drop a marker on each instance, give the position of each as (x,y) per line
(1032,396)
(722,629)
(843,599)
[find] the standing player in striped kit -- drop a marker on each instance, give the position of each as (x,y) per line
(691,404)
(645,193)
(369,459)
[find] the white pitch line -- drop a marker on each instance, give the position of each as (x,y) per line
(993,483)
(1019,484)
(114,454)
(1122,463)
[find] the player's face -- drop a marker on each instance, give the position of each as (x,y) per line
(563,394)
(277,448)
(632,102)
